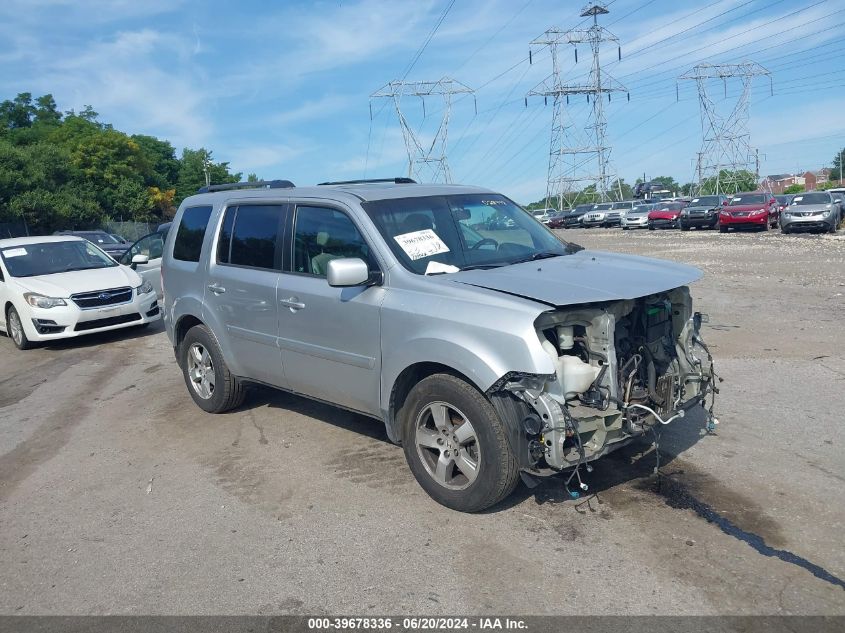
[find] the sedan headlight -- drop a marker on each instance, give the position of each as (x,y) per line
(144,289)
(759,212)
(825,214)
(40,301)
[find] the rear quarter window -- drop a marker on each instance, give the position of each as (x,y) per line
(189,237)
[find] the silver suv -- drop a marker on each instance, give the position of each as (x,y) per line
(488,353)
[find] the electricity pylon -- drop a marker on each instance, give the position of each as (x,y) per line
(575,161)
(433,155)
(726,141)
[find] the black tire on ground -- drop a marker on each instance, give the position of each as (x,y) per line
(684,228)
(723,229)
(497,469)
(650,227)
(19,337)
(832,228)
(784,230)
(228,392)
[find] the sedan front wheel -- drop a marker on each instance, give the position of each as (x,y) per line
(14,327)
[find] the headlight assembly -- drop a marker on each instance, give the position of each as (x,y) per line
(144,288)
(40,301)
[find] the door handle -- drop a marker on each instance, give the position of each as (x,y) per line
(292,303)
(216,289)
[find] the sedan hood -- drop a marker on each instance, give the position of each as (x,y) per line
(584,277)
(69,283)
(664,215)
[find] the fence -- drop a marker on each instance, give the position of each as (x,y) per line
(13,229)
(130,231)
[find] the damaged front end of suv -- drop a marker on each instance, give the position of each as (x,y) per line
(622,368)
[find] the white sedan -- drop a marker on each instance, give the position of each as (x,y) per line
(61,286)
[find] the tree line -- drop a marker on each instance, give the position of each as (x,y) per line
(71,171)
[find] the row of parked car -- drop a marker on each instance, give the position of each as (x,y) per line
(819,211)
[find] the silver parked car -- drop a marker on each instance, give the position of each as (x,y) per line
(637,218)
(487,352)
(812,211)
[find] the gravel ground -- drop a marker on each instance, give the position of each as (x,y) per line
(118,495)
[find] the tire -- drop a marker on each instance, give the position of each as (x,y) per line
(766,226)
(723,229)
(784,230)
(650,227)
(200,358)
(14,328)
(684,228)
(832,229)
(432,418)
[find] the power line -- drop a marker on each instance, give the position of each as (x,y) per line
(428,39)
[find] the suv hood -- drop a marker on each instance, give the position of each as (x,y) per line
(65,284)
(808,208)
(744,208)
(583,277)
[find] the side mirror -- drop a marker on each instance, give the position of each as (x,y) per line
(139,259)
(347,271)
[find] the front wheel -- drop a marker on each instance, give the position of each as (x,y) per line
(14,327)
(210,383)
(723,229)
(456,444)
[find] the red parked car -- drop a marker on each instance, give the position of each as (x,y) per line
(665,215)
(753,209)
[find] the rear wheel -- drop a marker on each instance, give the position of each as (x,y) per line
(14,327)
(456,444)
(210,383)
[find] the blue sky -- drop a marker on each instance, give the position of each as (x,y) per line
(282,88)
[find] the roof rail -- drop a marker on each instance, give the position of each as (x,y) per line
(395,181)
(258,184)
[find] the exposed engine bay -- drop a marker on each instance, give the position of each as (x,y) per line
(621,369)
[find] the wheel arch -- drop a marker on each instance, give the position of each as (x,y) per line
(405,381)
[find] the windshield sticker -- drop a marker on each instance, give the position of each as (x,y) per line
(435,268)
(421,244)
(493,203)
(797,199)
(694,200)
(14,252)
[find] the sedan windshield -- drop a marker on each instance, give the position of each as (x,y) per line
(812,198)
(49,258)
(458,232)
(748,198)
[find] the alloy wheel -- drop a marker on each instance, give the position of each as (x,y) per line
(201,371)
(447,445)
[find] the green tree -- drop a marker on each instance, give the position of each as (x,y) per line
(836,169)
(161,156)
(794,189)
(192,170)
(729,182)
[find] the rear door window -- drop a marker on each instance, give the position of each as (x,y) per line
(250,236)
(191,233)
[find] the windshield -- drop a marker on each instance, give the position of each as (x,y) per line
(447,233)
(622,205)
(671,206)
(748,198)
(49,258)
(642,208)
(783,199)
(99,238)
(604,206)
(812,198)
(706,201)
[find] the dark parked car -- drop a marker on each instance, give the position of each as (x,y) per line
(702,213)
(556,220)
(111,244)
(572,219)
